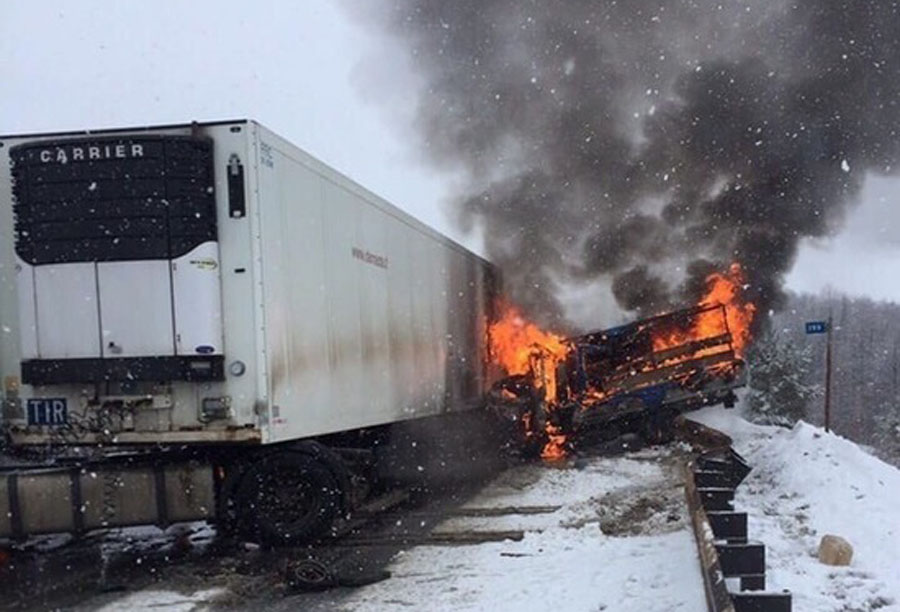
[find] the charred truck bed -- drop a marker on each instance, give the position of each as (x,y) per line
(630,379)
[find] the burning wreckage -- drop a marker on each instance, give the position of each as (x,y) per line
(632,378)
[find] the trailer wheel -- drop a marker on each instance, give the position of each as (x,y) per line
(287,498)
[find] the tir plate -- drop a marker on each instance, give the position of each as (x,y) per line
(48,411)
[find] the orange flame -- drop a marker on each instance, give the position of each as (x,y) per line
(725,288)
(555,448)
(521,347)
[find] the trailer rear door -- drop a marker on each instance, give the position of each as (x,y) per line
(65,298)
(135,308)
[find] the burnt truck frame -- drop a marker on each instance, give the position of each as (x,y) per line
(648,388)
(612,381)
(207,304)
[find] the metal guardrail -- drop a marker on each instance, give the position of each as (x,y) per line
(721,533)
(717,596)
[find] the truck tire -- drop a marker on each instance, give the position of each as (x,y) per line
(287,498)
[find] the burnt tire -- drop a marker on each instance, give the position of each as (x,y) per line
(309,575)
(287,498)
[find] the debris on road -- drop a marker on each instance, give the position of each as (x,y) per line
(314,575)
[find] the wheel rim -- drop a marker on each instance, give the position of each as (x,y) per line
(288,498)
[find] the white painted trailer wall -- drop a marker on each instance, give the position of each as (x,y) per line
(370,316)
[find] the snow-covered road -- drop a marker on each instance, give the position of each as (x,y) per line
(620,541)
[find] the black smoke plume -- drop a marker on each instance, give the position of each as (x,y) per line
(648,143)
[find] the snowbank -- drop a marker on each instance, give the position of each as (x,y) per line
(807,483)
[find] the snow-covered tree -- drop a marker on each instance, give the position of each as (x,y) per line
(778,391)
(865,386)
(887,433)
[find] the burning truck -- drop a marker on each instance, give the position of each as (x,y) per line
(631,378)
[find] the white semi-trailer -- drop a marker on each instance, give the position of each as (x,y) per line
(212,289)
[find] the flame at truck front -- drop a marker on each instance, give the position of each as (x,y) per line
(520,347)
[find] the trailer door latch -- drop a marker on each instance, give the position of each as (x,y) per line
(236,204)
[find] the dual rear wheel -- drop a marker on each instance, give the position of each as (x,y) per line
(281,498)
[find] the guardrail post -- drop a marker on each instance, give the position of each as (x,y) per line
(762,602)
(716,498)
(728,526)
(742,559)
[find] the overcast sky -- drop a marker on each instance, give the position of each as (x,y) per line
(299,68)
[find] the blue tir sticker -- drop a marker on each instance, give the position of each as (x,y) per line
(205,349)
(47,411)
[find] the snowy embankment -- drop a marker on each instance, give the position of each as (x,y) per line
(619,541)
(807,483)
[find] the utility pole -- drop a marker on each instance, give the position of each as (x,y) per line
(828,376)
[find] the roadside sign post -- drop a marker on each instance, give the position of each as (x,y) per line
(824,327)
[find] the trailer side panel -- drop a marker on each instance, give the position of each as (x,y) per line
(370,316)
